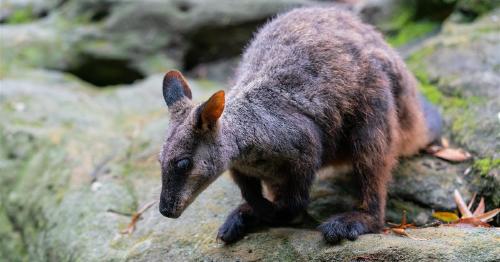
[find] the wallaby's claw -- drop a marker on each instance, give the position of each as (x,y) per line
(348,226)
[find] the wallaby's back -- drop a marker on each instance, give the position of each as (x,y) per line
(326,64)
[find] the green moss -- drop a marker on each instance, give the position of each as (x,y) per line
(485,165)
(21,16)
(431,92)
(402,17)
(286,252)
(428,89)
(415,60)
(429,86)
(463,123)
(412,31)
(12,248)
(405,26)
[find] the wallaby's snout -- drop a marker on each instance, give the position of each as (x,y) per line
(183,181)
(190,154)
(168,209)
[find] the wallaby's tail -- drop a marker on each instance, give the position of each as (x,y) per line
(433,121)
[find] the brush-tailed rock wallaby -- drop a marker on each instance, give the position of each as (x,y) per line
(316,87)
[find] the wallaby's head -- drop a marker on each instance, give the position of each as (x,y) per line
(191,155)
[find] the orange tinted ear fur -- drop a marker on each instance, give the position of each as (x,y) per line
(213,108)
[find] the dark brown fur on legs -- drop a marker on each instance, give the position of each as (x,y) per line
(372,175)
(290,199)
(316,87)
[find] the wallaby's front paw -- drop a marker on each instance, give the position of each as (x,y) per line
(348,226)
(233,229)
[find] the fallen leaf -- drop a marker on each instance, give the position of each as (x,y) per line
(472,200)
(480,208)
(432,149)
(135,217)
(445,216)
(462,207)
(403,223)
(445,142)
(399,229)
(479,218)
(485,217)
(452,154)
(468,222)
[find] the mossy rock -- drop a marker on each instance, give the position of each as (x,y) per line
(459,72)
(76,161)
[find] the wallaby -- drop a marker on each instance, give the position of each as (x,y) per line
(316,87)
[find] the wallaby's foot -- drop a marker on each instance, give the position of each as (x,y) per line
(237,224)
(349,226)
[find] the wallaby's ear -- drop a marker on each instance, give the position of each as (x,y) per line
(175,87)
(211,110)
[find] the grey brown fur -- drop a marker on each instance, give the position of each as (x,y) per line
(315,88)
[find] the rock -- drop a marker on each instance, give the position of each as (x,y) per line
(66,217)
(75,162)
(118,42)
(138,38)
(469,101)
(23,11)
(51,161)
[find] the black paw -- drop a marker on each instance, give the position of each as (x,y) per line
(233,229)
(348,226)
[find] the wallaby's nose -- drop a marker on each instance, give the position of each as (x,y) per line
(168,211)
(165,212)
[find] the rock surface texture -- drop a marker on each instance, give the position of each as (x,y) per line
(76,161)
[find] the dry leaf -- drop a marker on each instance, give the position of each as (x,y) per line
(452,154)
(485,217)
(462,207)
(480,208)
(444,151)
(445,216)
(432,149)
(399,229)
(468,222)
(445,142)
(135,217)
(472,200)
(477,219)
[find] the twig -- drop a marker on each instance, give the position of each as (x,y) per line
(135,217)
(402,232)
(119,212)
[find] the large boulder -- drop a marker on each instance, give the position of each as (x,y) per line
(131,39)
(117,42)
(76,162)
(459,71)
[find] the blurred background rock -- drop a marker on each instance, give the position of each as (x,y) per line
(82,120)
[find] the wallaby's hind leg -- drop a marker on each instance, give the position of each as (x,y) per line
(372,164)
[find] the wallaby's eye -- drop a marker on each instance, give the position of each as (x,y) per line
(182,165)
